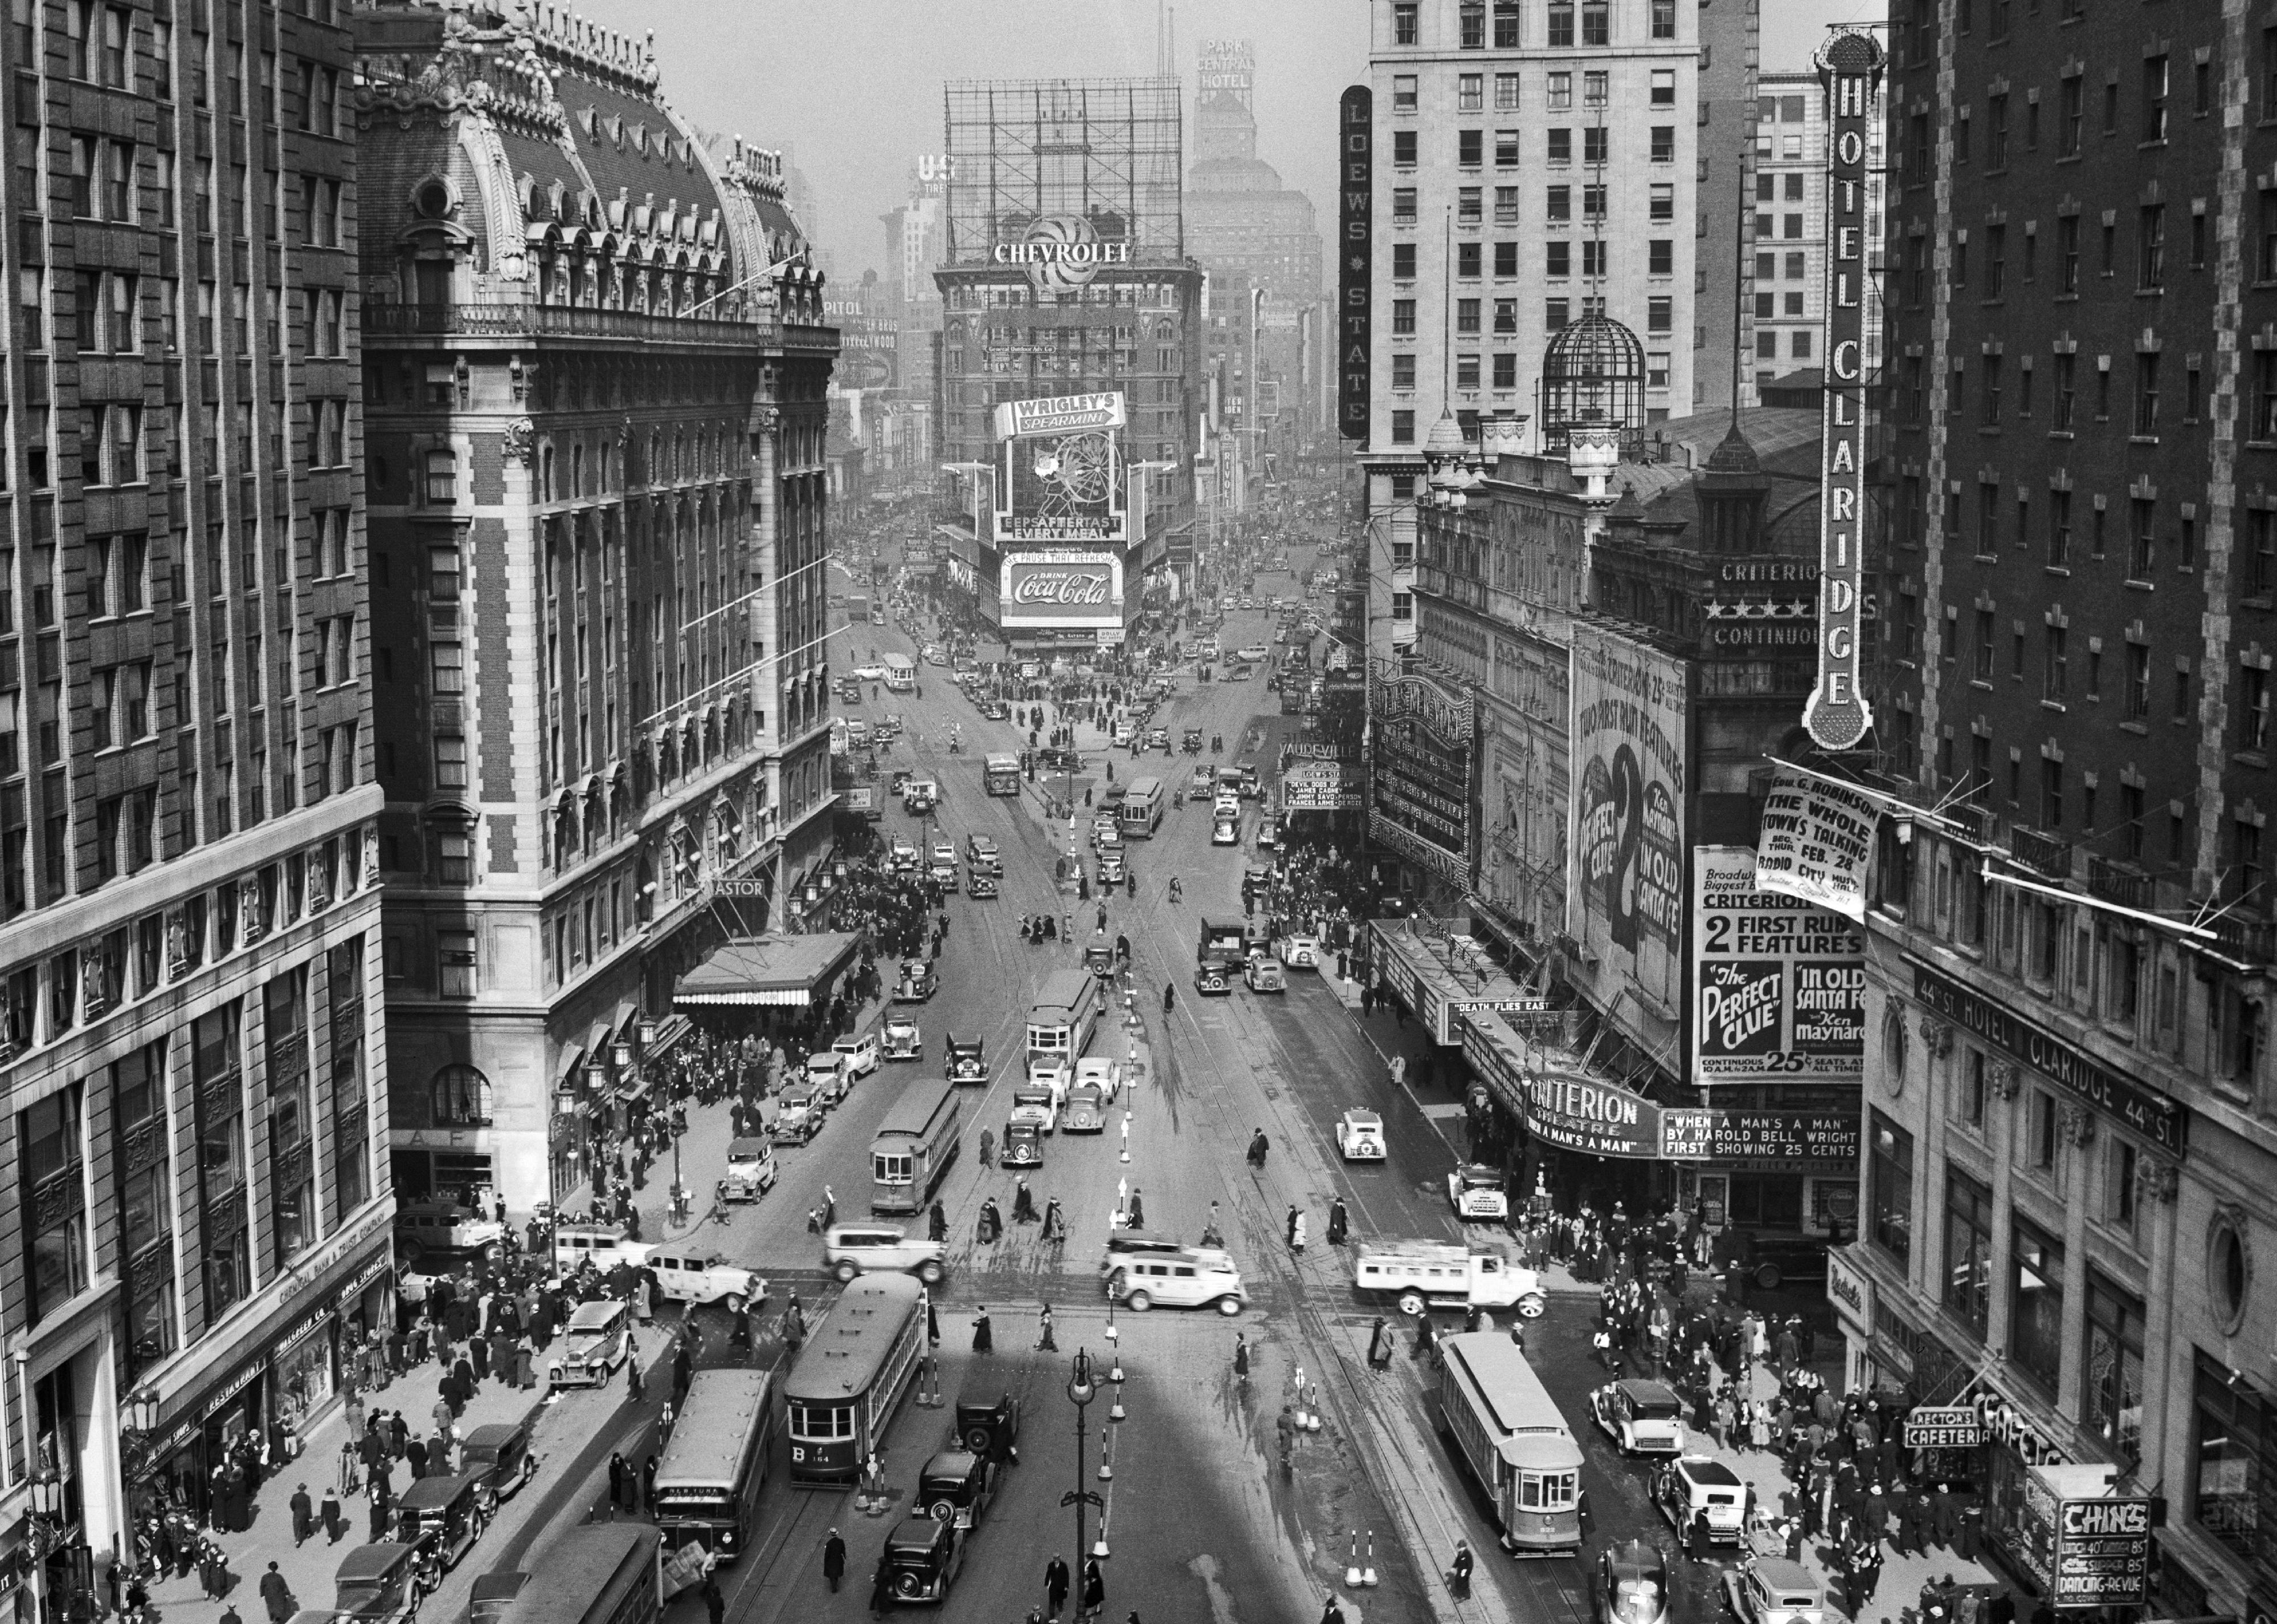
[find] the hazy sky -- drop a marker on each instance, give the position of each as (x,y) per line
(853,88)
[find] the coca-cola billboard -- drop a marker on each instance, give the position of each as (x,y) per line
(1062,589)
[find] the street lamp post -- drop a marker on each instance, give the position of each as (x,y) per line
(1081,1389)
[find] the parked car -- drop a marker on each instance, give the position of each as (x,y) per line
(861,1054)
(378,1585)
(1360,1135)
(1268,832)
(798,1117)
(922,1560)
(1641,1417)
(499,1457)
(828,1075)
(1770,1257)
(599,1340)
(955,1488)
(988,1420)
(751,1169)
(917,982)
(852,1249)
(1300,950)
(1475,1191)
(904,1037)
(691,1276)
(1771,1589)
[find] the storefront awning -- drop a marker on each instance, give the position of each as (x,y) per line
(767,971)
(1436,969)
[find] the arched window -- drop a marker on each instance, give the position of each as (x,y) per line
(461,1098)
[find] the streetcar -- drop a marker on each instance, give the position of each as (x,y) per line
(1515,1441)
(850,1376)
(713,1471)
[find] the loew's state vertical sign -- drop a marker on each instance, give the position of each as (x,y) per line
(1355,258)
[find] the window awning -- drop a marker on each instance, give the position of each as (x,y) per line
(766,971)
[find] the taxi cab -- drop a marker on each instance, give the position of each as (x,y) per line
(1359,1136)
(599,1340)
(1641,1417)
(905,1039)
(1023,1142)
(829,1076)
(1264,974)
(1190,1278)
(861,1054)
(917,982)
(751,1169)
(1690,1484)
(1475,1191)
(692,1276)
(968,1059)
(1225,829)
(1037,1103)
(922,1559)
(955,1488)
(1101,1073)
(1771,1589)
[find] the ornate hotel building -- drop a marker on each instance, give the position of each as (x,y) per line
(193,1215)
(594,375)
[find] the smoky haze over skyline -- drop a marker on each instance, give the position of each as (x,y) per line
(852,91)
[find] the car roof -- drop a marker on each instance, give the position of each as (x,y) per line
(1708,1473)
(1778,1574)
(1361,1118)
(747,1147)
(1635,1558)
(1646,1392)
(951,1463)
(492,1433)
(838,1231)
(374,1561)
(595,1314)
(917,1534)
(430,1491)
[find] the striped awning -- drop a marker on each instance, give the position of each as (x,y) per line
(784,972)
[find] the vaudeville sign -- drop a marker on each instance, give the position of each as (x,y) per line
(1850,69)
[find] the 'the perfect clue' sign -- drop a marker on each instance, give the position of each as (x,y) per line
(1850,68)
(1780,985)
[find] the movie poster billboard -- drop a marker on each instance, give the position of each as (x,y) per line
(1061,587)
(1060,477)
(1779,987)
(1624,886)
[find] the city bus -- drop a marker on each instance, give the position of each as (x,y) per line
(849,1376)
(1065,1015)
(914,1147)
(1001,772)
(597,1572)
(901,672)
(1141,812)
(1515,1441)
(709,1481)
(857,607)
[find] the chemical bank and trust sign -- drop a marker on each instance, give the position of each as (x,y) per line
(2163,1121)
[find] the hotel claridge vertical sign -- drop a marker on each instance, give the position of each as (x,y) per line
(1355,257)
(1836,715)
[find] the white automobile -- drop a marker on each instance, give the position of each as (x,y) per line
(851,1249)
(1301,951)
(1256,653)
(1051,1071)
(1225,831)
(904,1037)
(861,1054)
(1476,1192)
(1104,1075)
(1643,1418)
(599,1339)
(703,1277)
(828,1075)
(1359,1136)
(869,674)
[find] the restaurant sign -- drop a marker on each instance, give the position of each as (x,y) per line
(2092,1551)
(1956,1426)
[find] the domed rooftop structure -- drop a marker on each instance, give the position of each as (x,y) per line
(1735,453)
(1593,377)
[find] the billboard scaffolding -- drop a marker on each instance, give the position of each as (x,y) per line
(1097,156)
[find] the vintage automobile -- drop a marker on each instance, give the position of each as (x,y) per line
(1264,975)
(917,981)
(1771,1589)
(498,1456)
(922,1558)
(829,1076)
(955,1488)
(378,1585)
(1359,1136)
(988,1420)
(599,1339)
(1238,673)
(944,875)
(981,885)
(1203,782)
(1086,1109)
(1253,652)
(798,1116)
(1475,1191)
(491,1600)
(1225,830)
(442,1232)
(1105,835)
(1101,1073)
(861,1054)
(995,710)
(443,1517)
(1050,1071)
(968,1059)
(904,1037)
(981,856)
(1193,1277)
(851,1249)
(1268,832)
(901,855)
(921,796)
(1023,1142)
(1099,953)
(887,728)
(603,1246)
(1770,1258)
(1301,951)
(690,1276)
(1039,1102)
(1632,1584)
(1158,738)
(1641,1417)
(1226,802)
(751,1169)
(1123,736)
(857,728)
(1685,1487)
(871,672)
(1111,867)
(1191,741)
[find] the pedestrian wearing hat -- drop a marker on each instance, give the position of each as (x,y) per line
(833,1560)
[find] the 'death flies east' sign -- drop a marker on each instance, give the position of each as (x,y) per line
(1836,715)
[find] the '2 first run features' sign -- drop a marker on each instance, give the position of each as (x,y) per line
(1836,715)
(1779,985)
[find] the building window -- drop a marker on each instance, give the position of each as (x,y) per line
(1968,1250)
(461,1098)
(1403,428)
(455,953)
(2036,1318)
(1403,22)
(55,1203)
(1890,1182)
(2234,1471)
(2113,1378)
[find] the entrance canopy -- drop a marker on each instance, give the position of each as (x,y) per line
(773,971)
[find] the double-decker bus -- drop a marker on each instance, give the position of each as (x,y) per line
(709,1481)
(849,1376)
(1065,1015)
(914,1147)
(1515,1441)
(1141,811)
(1001,772)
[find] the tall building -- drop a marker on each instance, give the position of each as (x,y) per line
(1729,51)
(190,1031)
(1066,273)
(595,369)
(1246,227)
(1531,165)
(1787,312)
(2069,1170)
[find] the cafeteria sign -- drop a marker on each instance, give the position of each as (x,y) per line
(1952,1427)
